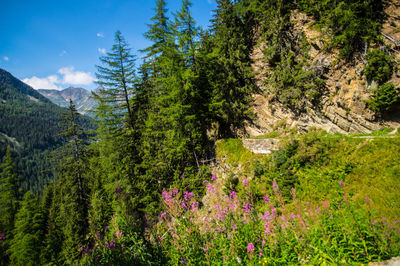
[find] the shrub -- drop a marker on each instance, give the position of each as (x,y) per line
(383,98)
(379,66)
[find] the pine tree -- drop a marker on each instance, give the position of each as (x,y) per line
(9,202)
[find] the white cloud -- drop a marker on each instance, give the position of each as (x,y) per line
(48,83)
(102,50)
(100,35)
(66,75)
(6,58)
(63,53)
(70,76)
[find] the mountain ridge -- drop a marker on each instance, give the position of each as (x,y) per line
(81,97)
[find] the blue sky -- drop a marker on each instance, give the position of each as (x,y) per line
(56,44)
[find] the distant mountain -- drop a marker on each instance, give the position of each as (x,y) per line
(81,98)
(29,124)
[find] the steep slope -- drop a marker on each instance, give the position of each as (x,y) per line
(80,96)
(28,123)
(343,105)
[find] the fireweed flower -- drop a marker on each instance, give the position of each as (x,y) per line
(250,247)
(163,215)
(266,199)
(195,205)
(175,191)
(245,182)
(210,188)
(341,183)
(265,217)
(213,177)
(187,195)
(367,199)
(247,207)
(232,194)
(274,186)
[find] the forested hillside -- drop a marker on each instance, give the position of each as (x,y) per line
(161,182)
(29,125)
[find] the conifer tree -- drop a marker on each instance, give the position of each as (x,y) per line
(159,34)
(28,232)
(231,74)
(73,184)
(8,202)
(117,79)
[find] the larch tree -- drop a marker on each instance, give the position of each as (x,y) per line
(117,78)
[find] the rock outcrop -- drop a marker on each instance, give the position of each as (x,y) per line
(343,107)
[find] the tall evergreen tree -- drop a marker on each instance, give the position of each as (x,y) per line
(231,75)
(28,232)
(8,202)
(117,79)
(73,184)
(160,36)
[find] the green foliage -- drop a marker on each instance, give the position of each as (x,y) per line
(383,98)
(294,82)
(30,127)
(229,68)
(235,231)
(28,233)
(352,24)
(9,202)
(379,66)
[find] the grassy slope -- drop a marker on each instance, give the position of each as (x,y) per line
(368,167)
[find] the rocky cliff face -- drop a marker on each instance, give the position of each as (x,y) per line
(343,107)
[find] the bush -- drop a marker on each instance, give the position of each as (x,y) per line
(383,98)
(379,66)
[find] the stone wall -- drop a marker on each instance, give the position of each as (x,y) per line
(263,146)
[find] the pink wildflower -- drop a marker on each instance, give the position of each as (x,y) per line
(250,247)
(245,182)
(341,183)
(187,195)
(213,177)
(266,199)
(163,215)
(247,207)
(210,188)
(274,186)
(232,194)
